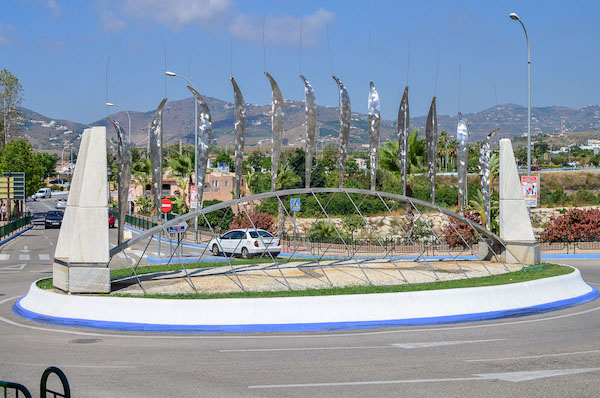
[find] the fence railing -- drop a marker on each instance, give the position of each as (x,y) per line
(569,241)
(14,226)
(139,222)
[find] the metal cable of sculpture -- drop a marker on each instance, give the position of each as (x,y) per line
(431,136)
(310,123)
(403,132)
(485,176)
(374,129)
(277,114)
(123,174)
(345,116)
(240,134)
(156,144)
(462,136)
(204,139)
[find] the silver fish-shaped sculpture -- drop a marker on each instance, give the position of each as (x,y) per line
(462,137)
(403,132)
(431,138)
(123,175)
(345,117)
(240,135)
(277,115)
(374,129)
(310,123)
(156,145)
(485,177)
(204,139)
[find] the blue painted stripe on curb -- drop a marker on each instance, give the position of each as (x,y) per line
(304,327)
(15,235)
(580,256)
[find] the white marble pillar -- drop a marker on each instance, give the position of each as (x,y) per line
(515,225)
(82,249)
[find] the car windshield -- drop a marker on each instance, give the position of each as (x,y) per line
(262,234)
(54,213)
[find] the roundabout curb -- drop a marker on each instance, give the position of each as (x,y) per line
(306,313)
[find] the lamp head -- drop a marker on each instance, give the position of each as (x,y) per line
(514,16)
(168,73)
(110,104)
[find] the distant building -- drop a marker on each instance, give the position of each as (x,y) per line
(361,163)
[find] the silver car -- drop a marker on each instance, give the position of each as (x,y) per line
(61,203)
(246,242)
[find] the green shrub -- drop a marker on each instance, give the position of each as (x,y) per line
(352,223)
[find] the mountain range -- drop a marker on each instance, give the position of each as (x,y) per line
(50,134)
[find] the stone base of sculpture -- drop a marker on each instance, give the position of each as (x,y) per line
(520,252)
(82,278)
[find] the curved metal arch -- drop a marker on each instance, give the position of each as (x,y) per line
(246,199)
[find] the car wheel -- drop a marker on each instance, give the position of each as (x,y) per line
(245,253)
(215,250)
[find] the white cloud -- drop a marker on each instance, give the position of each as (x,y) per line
(110,22)
(175,13)
(53,7)
(282,29)
(8,34)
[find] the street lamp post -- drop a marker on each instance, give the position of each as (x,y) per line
(515,17)
(199,200)
(128,117)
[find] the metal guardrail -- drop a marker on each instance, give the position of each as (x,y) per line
(139,222)
(14,226)
(16,387)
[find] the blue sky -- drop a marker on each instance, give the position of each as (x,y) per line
(59,51)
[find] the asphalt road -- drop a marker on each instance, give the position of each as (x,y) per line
(550,355)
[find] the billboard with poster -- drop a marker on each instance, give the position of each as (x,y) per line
(530,190)
(194,198)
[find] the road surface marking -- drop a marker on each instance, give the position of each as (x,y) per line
(4,257)
(16,267)
(562,354)
(411,346)
(407,346)
(24,257)
(513,377)
(25,250)
(44,257)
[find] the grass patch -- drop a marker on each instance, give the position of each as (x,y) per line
(545,270)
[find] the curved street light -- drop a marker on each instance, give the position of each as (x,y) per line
(128,117)
(515,17)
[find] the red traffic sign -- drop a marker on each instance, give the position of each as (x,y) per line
(167,206)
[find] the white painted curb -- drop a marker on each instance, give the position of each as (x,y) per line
(308,309)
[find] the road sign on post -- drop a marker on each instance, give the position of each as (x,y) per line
(12,186)
(194,198)
(295,204)
(166,206)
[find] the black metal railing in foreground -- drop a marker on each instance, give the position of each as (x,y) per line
(139,222)
(17,388)
(14,226)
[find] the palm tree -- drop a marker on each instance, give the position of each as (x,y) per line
(183,167)
(390,164)
(142,172)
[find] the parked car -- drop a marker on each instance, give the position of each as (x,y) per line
(111,220)
(43,193)
(246,242)
(61,203)
(59,181)
(54,219)
(535,168)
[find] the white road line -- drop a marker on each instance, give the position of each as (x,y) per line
(16,267)
(70,366)
(513,377)
(44,257)
(406,346)
(4,257)
(562,354)
(24,257)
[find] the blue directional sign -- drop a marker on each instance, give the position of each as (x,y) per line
(295,204)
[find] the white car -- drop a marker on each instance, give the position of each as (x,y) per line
(43,193)
(246,242)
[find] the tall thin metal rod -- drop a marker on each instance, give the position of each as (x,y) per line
(300,47)
(329,49)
